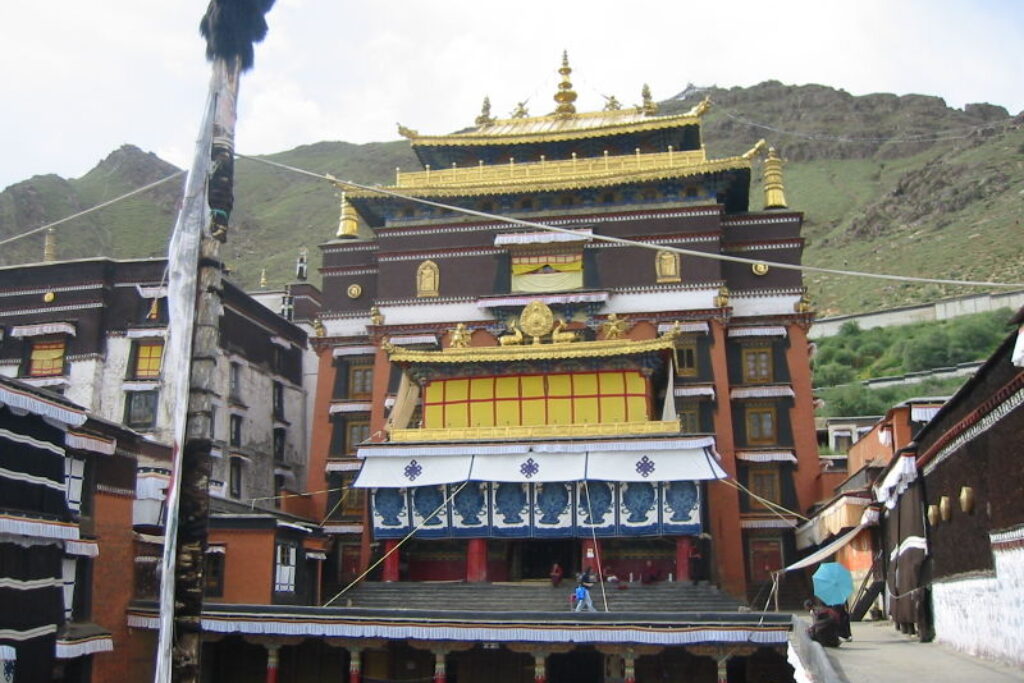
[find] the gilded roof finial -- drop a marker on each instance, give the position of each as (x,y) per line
(50,245)
(263,279)
(611,103)
(348,226)
(649,106)
(774,195)
(565,95)
(302,265)
(407,132)
(485,118)
(520,112)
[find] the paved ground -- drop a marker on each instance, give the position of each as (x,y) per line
(879,654)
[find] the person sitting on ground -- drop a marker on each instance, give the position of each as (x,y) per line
(651,574)
(556,574)
(610,576)
(824,628)
(583,601)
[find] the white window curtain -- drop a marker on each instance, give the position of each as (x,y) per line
(284,580)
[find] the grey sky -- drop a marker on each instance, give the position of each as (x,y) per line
(80,79)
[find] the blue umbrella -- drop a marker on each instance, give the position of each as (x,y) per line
(832,583)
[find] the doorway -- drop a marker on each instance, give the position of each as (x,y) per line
(532,559)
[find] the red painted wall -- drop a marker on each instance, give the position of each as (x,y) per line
(113,589)
(248,565)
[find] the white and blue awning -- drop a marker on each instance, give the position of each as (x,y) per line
(637,460)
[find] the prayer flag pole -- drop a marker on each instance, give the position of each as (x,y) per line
(193,294)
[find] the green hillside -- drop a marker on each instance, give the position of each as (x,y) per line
(886,183)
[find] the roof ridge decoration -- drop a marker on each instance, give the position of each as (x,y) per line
(566,96)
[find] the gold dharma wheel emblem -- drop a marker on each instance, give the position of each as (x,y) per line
(760,268)
(536,319)
(354,291)
(49,297)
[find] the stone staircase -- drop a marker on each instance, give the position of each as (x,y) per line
(536,597)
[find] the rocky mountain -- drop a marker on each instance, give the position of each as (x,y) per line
(898,184)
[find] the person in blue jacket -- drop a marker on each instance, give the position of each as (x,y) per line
(583,601)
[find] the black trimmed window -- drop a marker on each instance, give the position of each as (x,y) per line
(764,482)
(757,364)
(235,435)
(360,381)
(280,440)
(213,574)
(284,568)
(235,477)
(46,357)
(762,426)
(140,409)
(147,359)
(278,400)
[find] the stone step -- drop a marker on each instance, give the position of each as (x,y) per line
(539,597)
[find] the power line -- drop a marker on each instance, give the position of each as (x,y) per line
(90,209)
(619,240)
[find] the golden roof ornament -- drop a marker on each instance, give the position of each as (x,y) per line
(701,108)
(774,195)
(520,112)
(348,225)
(263,279)
(566,96)
(485,118)
(318,328)
(459,337)
(722,300)
(376,317)
(611,103)
(407,132)
(649,106)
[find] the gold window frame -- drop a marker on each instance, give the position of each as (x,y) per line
(754,416)
(757,374)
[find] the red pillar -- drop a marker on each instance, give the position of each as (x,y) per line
(272,663)
(629,668)
(355,668)
(591,557)
(540,667)
(440,670)
(389,572)
(684,546)
(476,560)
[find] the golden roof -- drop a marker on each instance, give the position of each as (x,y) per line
(551,351)
(554,127)
(562,175)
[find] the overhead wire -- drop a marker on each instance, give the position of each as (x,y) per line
(628,242)
(91,209)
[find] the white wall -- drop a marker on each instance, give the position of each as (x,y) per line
(984,616)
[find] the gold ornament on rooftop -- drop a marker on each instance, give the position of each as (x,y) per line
(459,337)
(722,300)
(615,327)
(649,106)
(666,266)
(485,118)
(760,268)
(354,291)
(520,112)
(428,279)
(774,194)
(566,96)
(348,225)
(611,103)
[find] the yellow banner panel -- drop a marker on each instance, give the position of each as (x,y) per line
(560,411)
(612,383)
(507,413)
(586,411)
(481,388)
(506,387)
(613,409)
(534,411)
(559,385)
(532,386)
(584,384)
(456,390)
(433,416)
(481,414)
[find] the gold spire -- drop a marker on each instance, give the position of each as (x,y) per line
(565,95)
(485,118)
(774,196)
(50,245)
(649,106)
(263,279)
(348,226)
